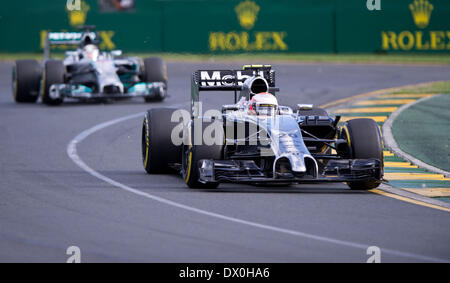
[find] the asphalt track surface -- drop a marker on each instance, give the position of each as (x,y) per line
(48,202)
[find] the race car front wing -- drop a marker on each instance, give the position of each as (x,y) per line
(246,171)
(83,92)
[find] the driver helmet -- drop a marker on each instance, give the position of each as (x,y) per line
(263,104)
(91,52)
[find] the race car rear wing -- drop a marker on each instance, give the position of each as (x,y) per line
(229,80)
(70,38)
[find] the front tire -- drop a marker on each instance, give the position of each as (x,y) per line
(54,71)
(26,77)
(193,153)
(158,150)
(364,138)
(155,70)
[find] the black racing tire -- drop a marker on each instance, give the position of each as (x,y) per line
(158,150)
(155,70)
(26,80)
(54,72)
(364,138)
(192,154)
(316,111)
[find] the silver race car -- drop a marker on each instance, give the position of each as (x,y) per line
(87,73)
(257,141)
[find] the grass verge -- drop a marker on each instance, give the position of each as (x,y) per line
(271,57)
(436,87)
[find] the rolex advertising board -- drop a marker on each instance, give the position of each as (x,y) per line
(26,23)
(400,26)
(249,26)
(234,26)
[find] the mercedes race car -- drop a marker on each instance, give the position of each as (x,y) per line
(87,73)
(257,141)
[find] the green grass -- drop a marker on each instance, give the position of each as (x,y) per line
(436,87)
(422,131)
(272,57)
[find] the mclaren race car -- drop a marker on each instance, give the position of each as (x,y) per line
(87,73)
(256,141)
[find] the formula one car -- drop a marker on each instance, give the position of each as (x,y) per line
(256,141)
(87,73)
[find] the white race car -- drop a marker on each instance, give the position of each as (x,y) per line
(87,73)
(257,141)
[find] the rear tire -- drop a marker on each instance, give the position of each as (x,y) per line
(192,154)
(54,71)
(364,138)
(26,78)
(158,150)
(155,70)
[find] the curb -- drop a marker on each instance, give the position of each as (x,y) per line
(385,189)
(426,201)
(390,142)
(358,97)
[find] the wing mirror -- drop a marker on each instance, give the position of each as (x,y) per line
(71,53)
(116,53)
(305,106)
(229,108)
(285,110)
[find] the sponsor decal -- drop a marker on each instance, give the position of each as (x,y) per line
(421,12)
(68,36)
(417,40)
(247,13)
(219,79)
(247,40)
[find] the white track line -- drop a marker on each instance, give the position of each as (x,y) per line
(72,152)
